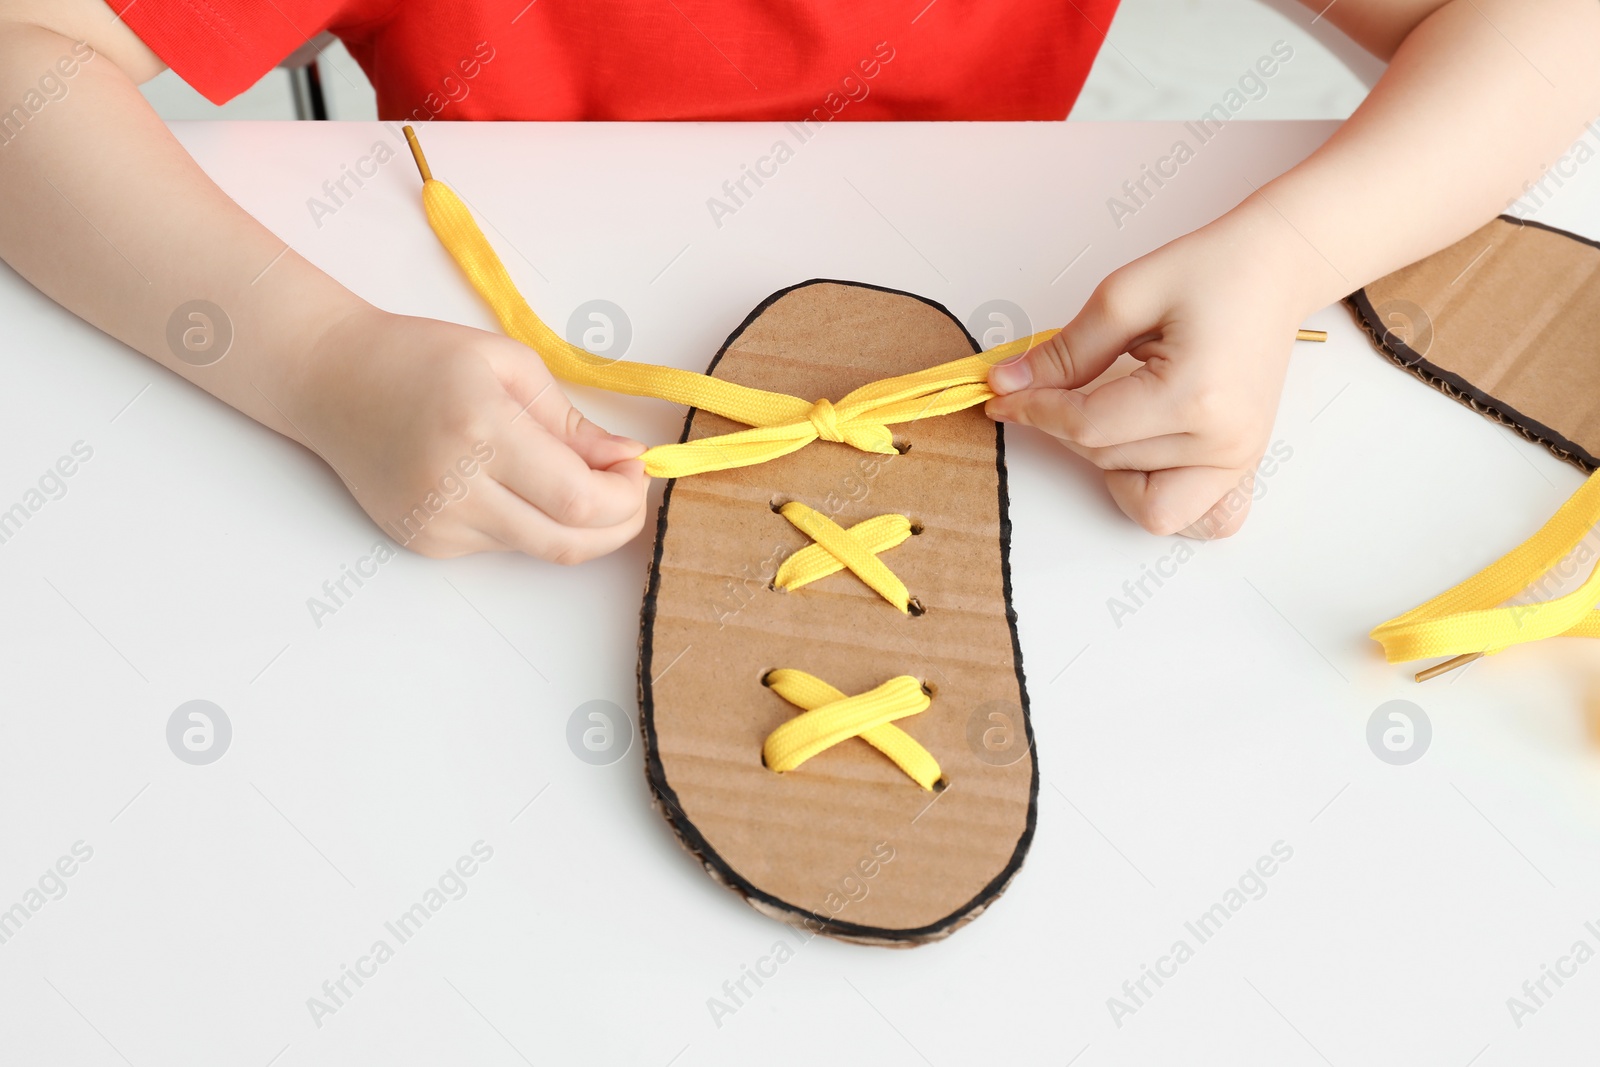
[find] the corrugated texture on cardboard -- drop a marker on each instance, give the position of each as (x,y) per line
(812,843)
(1505,321)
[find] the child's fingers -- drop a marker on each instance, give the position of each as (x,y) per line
(1133,408)
(1053,364)
(509,519)
(1224,518)
(597,447)
(1115,316)
(453,541)
(1178,500)
(521,371)
(534,464)
(539,399)
(1151,454)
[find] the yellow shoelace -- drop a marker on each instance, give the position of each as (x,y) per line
(837,548)
(781,424)
(1468,621)
(831,717)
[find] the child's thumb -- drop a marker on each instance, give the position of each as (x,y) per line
(599,449)
(1084,348)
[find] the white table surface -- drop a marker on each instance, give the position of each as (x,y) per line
(1228,714)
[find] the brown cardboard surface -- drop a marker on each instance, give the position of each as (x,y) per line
(1505,321)
(846,844)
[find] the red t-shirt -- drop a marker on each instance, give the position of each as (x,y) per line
(655,59)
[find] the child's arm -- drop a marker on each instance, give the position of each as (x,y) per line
(1480,95)
(106,214)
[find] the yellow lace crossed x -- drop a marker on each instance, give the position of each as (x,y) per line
(837,548)
(831,717)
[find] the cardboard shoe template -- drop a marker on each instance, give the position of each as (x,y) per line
(846,844)
(1503,321)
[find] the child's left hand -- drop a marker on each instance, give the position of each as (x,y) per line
(1211,317)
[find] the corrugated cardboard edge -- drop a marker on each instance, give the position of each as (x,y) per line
(665,800)
(1457,387)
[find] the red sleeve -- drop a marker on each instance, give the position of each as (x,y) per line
(222,47)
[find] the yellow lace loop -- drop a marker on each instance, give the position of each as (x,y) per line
(1467,620)
(830,717)
(780,423)
(837,548)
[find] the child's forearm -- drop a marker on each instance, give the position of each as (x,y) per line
(107,214)
(1480,96)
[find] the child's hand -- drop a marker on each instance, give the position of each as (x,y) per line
(1212,317)
(455,441)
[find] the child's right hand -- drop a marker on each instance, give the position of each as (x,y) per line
(455,441)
